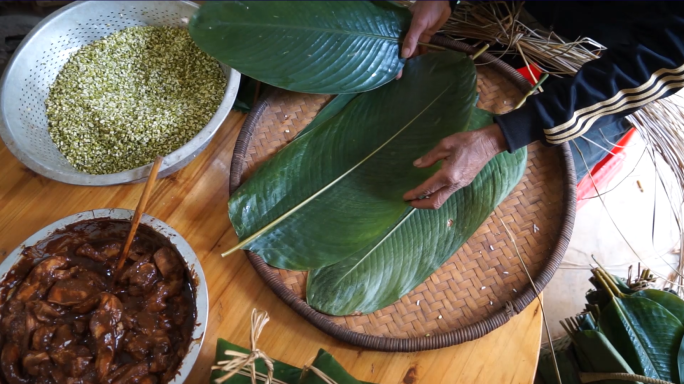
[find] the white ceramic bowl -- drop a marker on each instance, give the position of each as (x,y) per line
(88,219)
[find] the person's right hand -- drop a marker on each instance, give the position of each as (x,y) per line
(428,18)
(463,155)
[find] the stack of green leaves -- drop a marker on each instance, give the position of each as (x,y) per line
(331,201)
(636,332)
(286,373)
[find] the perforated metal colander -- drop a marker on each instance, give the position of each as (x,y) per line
(34,67)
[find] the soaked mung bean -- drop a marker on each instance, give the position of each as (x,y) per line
(138,93)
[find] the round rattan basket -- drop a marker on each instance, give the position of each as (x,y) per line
(482,285)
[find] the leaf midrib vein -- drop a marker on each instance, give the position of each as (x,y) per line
(287,214)
(387,236)
(296,27)
(396,226)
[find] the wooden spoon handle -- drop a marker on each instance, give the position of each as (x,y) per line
(138,215)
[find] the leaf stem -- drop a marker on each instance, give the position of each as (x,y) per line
(531,91)
(611,283)
(599,277)
(428,45)
(481,51)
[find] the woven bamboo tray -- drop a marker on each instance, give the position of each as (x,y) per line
(482,285)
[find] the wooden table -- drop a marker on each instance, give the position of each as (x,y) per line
(194,202)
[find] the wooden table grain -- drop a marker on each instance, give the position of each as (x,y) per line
(194,202)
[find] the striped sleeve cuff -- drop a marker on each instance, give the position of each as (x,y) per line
(518,128)
(662,83)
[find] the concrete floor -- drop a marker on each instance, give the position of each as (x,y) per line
(595,234)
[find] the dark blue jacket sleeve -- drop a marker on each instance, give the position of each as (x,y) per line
(649,65)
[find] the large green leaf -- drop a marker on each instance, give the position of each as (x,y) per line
(596,354)
(330,110)
(334,191)
(674,305)
(305,46)
(680,362)
(417,245)
(668,300)
(622,286)
(327,364)
(645,333)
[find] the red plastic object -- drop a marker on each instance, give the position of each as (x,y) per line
(604,171)
(525,72)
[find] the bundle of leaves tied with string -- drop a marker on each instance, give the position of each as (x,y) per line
(238,365)
(628,333)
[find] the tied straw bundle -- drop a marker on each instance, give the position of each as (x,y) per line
(500,23)
(243,363)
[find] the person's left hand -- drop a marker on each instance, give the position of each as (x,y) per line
(428,18)
(463,156)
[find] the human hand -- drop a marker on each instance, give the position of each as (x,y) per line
(464,154)
(428,18)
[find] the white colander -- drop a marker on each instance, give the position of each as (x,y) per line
(34,67)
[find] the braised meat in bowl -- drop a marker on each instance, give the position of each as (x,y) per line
(65,320)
